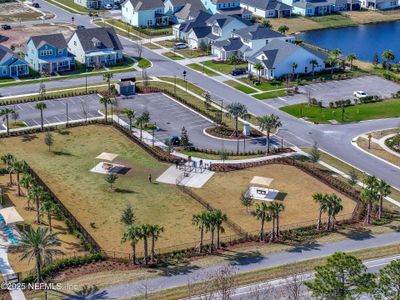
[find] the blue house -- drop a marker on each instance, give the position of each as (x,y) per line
(11,65)
(213,6)
(49,54)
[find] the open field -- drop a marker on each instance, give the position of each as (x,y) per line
(16,12)
(296,189)
(86,195)
(70,244)
(378,110)
(371,16)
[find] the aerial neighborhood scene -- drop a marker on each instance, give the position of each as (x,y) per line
(200,149)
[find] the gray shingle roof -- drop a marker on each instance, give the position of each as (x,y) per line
(266,4)
(223,20)
(56,40)
(305,4)
(257,32)
(199,21)
(106,36)
(145,4)
(191,10)
(230,44)
(5,54)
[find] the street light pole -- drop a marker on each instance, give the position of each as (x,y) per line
(155,126)
(184,79)
(66,112)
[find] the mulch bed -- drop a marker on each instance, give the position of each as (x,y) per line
(228,133)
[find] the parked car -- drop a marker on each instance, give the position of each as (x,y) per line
(92,14)
(180,46)
(108,6)
(36,5)
(175,140)
(238,71)
(80,27)
(6,27)
(360,94)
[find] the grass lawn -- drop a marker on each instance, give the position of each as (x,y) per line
(199,68)
(144,33)
(126,63)
(190,53)
(371,16)
(272,94)
(265,85)
(86,195)
(296,187)
(333,20)
(385,109)
(240,87)
(378,151)
(70,243)
(144,63)
(172,56)
(17,124)
(152,46)
(69,5)
(223,68)
(167,43)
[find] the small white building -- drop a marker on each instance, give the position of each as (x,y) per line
(94,4)
(278,58)
(380,4)
(267,8)
(144,13)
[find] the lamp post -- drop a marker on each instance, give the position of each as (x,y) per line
(155,126)
(66,113)
(184,79)
(175,85)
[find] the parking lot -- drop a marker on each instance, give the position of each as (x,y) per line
(339,90)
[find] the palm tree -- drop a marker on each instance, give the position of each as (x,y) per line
(5,113)
(336,52)
(351,57)
(143,119)
(387,57)
(262,213)
(18,167)
(334,207)
(107,77)
(314,64)
(321,199)
(210,227)
(130,114)
(105,101)
(383,191)
(132,234)
(38,245)
(145,232)
(49,208)
(27,181)
(275,208)
(332,61)
(41,106)
(37,194)
(8,159)
(234,60)
(200,220)
(283,29)
(155,232)
(237,110)
(369,195)
(268,123)
(294,67)
(219,218)
(259,67)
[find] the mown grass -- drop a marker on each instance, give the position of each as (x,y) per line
(172,55)
(271,94)
(265,85)
(223,68)
(202,69)
(240,87)
(70,6)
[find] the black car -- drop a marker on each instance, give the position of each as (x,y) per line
(238,71)
(175,140)
(80,27)
(6,27)
(36,5)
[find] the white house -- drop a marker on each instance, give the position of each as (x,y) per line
(380,4)
(198,19)
(267,8)
(144,13)
(246,41)
(278,59)
(96,46)
(94,4)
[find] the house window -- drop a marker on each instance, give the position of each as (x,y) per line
(47,52)
(60,51)
(74,43)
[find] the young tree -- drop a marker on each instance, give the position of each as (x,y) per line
(14,115)
(375,59)
(342,277)
(128,216)
(388,56)
(110,179)
(321,199)
(383,190)
(262,213)
(234,60)
(41,106)
(283,29)
(145,233)
(8,159)
(37,194)
(200,220)
(105,101)
(268,123)
(266,23)
(39,245)
(142,120)
(203,46)
(48,139)
(294,67)
(139,47)
(207,99)
(224,156)
(334,207)
(314,64)
(315,154)
(353,177)
(275,208)
(369,196)
(155,232)
(42,90)
(237,110)
(388,286)
(5,113)
(332,62)
(27,181)
(351,57)
(218,218)
(130,114)
(184,138)
(132,234)
(107,78)
(246,200)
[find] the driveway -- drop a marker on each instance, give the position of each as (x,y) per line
(339,90)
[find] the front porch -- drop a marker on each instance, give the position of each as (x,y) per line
(161,20)
(19,70)
(100,59)
(55,66)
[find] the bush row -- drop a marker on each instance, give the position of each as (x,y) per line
(219,152)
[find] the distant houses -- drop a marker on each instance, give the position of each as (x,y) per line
(11,65)
(267,8)
(94,4)
(380,4)
(144,13)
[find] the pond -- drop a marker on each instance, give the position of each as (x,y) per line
(363,40)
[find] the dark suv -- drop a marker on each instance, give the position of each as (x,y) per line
(6,27)
(238,71)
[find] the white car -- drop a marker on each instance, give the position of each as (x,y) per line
(360,94)
(180,46)
(108,6)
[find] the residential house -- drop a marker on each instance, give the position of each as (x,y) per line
(144,13)
(278,59)
(380,4)
(246,41)
(182,10)
(94,4)
(267,8)
(227,7)
(197,19)
(11,65)
(314,7)
(96,46)
(49,53)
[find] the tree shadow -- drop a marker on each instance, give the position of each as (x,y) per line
(242,259)
(61,152)
(86,293)
(29,137)
(304,246)
(281,196)
(124,191)
(358,234)
(178,269)
(63,132)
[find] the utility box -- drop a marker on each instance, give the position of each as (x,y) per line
(246,129)
(126,88)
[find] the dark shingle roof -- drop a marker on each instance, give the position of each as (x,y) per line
(201,32)
(192,9)
(266,4)
(257,32)
(230,44)
(222,20)
(106,36)
(56,40)
(199,21)
(5,54)
(145,4)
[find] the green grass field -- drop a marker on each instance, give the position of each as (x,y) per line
(70,6)
(333,20)
(265,85)
(223,68)
(385,109)
(240,87)
(271,94)
(172,56)
(199,68)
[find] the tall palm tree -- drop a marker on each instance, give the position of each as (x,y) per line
(383,191)
(132,234)
(105,101)
(145,233)
(369,196)
(321,199)
(314,64)
(262,213)
(332,61)
(37,194)
(155,232)
(130,114)
(351,57)
(387,57)
(200,220)
(210,227)
(336,52)
(107,77)
(219,218)
(5,113)
(259,67)
(39,245)
(237,110)
(268,123)
(275,208)
(27,181)
(18,167)
(8,159)
(334,207)
(142,120)
(49,208)
(294,67)
(41,106)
